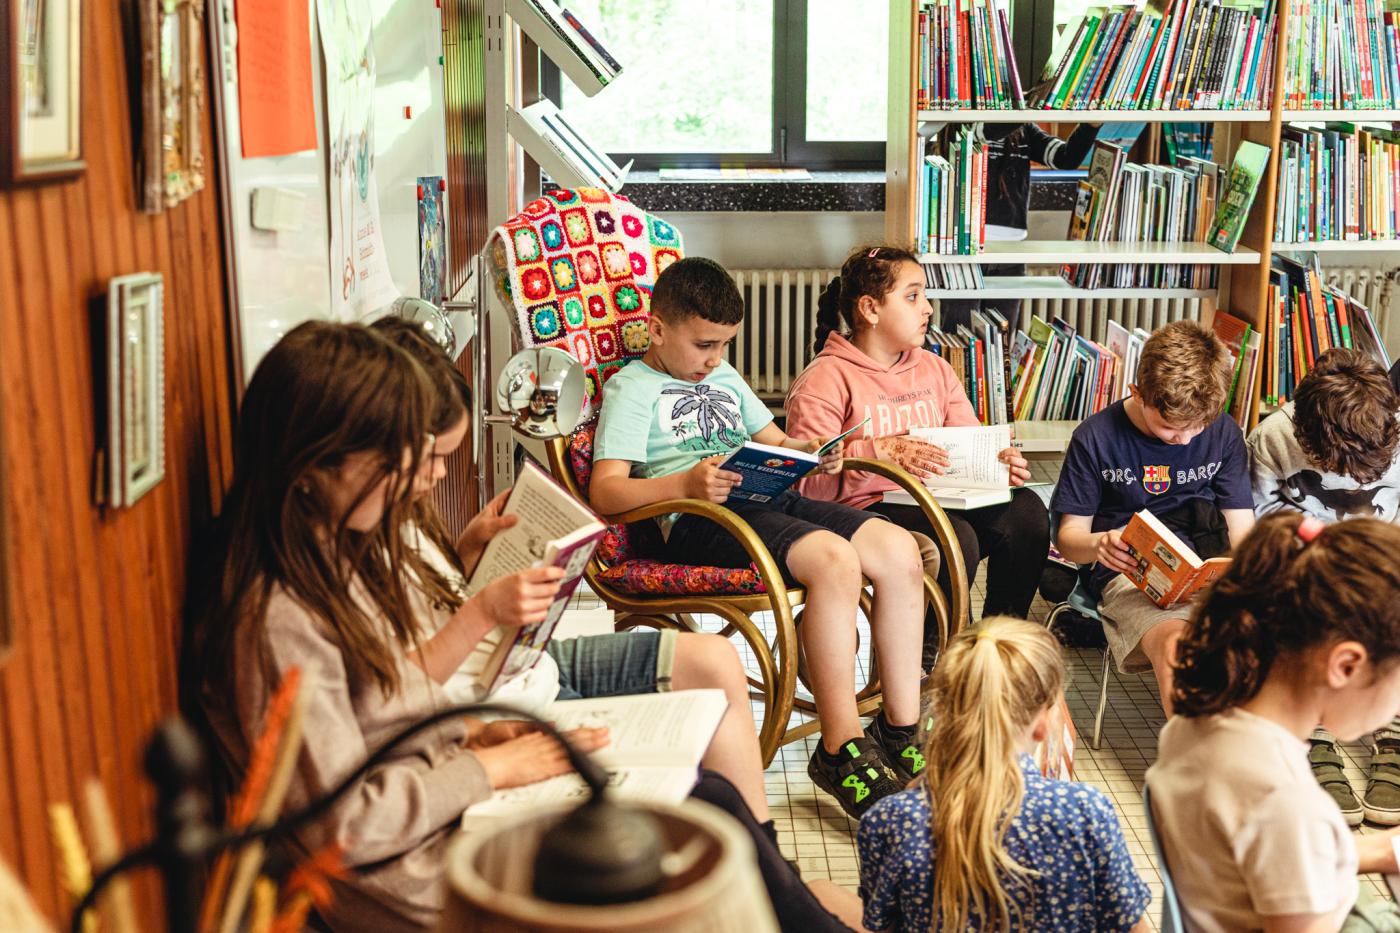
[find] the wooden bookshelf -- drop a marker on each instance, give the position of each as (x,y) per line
(1094,116)
(1081,252)
(1244,281)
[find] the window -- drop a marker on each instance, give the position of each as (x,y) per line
(752,82)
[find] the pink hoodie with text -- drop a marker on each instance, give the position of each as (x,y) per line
(843,385)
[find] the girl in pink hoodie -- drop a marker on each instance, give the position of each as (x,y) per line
(882,370)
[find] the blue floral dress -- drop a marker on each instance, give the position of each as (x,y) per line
(1068,832)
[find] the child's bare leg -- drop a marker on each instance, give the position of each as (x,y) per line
(889,557)
(842,902)
(929,554)
(711,661)
(1159,644)
(828,567)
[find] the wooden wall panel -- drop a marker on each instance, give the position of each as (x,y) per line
(96,594)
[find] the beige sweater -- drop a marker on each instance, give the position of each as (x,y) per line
(393,827)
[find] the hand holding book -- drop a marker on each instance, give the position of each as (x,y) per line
(707,481)
(484,526)
(1113,553)
(918,457)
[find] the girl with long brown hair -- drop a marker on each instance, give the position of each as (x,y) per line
(982,840)
(1304,628)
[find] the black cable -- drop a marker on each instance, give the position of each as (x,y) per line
(151,852)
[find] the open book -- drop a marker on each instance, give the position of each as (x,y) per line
(656,743)
(769,471)
(555,530)
(975,477)
(1168,571)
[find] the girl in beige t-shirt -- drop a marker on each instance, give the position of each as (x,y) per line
(1303,628)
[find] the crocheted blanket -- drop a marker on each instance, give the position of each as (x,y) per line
(578,266)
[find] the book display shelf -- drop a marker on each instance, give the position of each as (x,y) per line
(1243,287)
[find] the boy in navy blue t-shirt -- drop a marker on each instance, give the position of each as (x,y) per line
(1169,449)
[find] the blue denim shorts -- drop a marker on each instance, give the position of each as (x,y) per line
(617,664)
(779,524)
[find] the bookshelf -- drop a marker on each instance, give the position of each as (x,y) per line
(1243,288)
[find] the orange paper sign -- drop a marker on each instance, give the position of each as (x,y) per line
(274,77)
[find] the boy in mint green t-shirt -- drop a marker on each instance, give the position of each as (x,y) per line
(668,421)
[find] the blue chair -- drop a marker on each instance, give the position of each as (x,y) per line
(1080,601)
(1171,904)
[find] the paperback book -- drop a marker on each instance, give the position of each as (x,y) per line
(975,477)
(1168,570)
(770,471)
(554,530)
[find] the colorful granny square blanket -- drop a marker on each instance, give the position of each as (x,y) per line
(578,266)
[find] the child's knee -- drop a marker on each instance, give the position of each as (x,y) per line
(823,557)
(710,660)
(887,550)
(929,555)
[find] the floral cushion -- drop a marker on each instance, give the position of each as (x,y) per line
(630,573)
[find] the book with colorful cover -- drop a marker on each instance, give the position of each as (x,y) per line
(1167,570)
(770,471)
(1242,183)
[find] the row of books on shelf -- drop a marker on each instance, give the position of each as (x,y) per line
(1052,373)
(965,57)
(1342,54)
(1198,54)
(951,194)
(1338,183)
(954,276)
(1304,318)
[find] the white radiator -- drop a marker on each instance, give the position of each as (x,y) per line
(774,343)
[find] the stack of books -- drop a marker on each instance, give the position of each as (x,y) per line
(951,196)
(1305,318)
(965,57)
(1338,183)
(1341,54)
(1125,202)
(1194,55)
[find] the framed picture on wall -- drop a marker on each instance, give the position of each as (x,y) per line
(41,90)
(135,387)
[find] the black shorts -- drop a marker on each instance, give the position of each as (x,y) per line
(779,525)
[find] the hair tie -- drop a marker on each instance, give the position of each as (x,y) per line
(1309,528)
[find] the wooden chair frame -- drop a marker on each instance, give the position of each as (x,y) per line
(776,684)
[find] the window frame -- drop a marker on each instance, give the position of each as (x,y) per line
(788,143)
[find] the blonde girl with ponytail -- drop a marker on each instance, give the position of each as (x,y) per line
(983,841)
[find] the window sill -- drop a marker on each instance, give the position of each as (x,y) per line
(824,192)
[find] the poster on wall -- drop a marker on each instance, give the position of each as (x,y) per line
(432,239)
(360,280)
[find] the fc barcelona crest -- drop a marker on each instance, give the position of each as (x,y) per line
(1156,479)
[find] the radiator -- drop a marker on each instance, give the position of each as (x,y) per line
(1376,289)
(774,343)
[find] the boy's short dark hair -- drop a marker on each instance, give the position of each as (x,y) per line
(1184,373)
(1344,416)
(697,287)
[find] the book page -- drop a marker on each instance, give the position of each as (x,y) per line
(972,454)
(650,729)
(660,785)
(547,513)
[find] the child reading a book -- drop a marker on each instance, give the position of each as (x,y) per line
(1333,453)
(1167,448)
(315,569)
(600,665)
(983,841)
(1304,627)
(667,421)
(871,322)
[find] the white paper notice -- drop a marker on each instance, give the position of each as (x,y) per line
(360,279)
